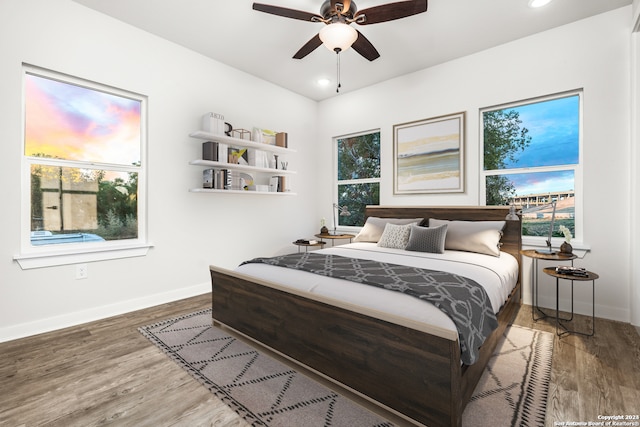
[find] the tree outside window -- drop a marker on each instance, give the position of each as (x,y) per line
(358,175)
(531,158)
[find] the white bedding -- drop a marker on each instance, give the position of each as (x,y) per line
(498,275)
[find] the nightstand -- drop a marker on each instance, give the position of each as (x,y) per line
(535,256)
(306,246)
(334,237)
(587,276)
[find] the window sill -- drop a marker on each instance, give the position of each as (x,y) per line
(52,259)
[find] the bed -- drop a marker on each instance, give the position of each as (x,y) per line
(371,345)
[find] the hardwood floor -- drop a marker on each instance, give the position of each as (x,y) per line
(103,373)
(106,372)
(591,376)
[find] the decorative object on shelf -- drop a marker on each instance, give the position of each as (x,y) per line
(566,247)
(264,136)
(227,128)
(239,181)
(241,134)
(343,210)
(213,123)
(238,156)
(428,155)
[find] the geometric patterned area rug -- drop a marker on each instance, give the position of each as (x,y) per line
(513,389)
(262,390)
(266,392)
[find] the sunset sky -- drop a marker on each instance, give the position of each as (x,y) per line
(75,123)
(554,128)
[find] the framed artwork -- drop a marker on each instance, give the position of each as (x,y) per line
(428,155)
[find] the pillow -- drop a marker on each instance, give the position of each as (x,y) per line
(482,237)
(427,239)
(395,236)
(374,227)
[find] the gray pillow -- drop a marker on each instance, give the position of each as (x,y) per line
(395,236)
(373,228)
(427,239)
(482,237)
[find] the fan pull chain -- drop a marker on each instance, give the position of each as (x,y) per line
(338,70)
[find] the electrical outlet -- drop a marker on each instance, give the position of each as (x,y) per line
(81,271)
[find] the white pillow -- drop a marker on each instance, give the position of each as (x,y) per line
(395,236)
(373,228)
(482,237)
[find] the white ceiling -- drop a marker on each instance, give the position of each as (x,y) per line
(263,45)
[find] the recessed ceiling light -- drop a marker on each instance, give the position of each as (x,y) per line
(323,82)
(538,3)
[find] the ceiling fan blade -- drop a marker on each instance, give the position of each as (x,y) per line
(363,46)
(390,12)
(309,47)
(287,13)
(346,6)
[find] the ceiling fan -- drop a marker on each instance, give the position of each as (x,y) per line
(338,15)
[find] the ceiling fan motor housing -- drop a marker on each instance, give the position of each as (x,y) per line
(332,14)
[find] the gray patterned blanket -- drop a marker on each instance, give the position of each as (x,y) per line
(462,299)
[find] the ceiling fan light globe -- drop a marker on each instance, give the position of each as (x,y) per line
(338,36)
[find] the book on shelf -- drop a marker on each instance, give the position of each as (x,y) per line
(279,184)
(215,151)
(225,179)
(215,178)
(258,158)
(210,151)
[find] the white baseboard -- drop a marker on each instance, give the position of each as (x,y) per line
(77,318)
(585,309)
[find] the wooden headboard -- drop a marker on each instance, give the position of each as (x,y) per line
(512,233)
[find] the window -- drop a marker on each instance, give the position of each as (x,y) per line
(84,148)
(531,157)
(358,175)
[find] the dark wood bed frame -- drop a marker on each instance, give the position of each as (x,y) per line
(416,374)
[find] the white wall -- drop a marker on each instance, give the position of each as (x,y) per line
(189,231)
(592,54)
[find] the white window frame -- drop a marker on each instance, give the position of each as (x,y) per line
(336,182)
(578,241)
(31,256)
